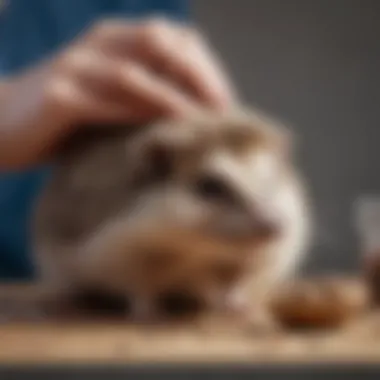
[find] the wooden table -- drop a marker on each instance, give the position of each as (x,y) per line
(89,341)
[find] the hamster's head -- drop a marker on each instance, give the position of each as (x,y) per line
(209,203)
(224,176)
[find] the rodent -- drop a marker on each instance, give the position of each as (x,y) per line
(211,208)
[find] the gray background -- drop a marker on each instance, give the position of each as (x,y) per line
(314,64)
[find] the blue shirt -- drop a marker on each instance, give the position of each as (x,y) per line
(29,30)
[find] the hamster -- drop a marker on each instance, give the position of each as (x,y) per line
(210,209)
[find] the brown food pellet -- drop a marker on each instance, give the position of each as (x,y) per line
(320,302)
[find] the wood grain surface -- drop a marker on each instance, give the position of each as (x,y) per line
(86,340)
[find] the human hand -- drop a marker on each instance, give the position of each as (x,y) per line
(116,72)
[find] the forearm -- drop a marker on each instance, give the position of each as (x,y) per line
(8,134)
(24,135)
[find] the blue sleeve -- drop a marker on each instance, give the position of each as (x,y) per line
(176,9)
(180,8)
(31,29)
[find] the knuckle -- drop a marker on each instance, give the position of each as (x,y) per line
(66,62)
(154,29)
(57,92)
(75,61)
(126,72)
(101,28)
(61,66)
(157,24)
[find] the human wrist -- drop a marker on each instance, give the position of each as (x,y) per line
(27,123)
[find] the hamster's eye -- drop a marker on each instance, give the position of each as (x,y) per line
(211,188)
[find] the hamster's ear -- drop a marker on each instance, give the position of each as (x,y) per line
(157,151)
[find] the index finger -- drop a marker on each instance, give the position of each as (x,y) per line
(185,57)
(175,51)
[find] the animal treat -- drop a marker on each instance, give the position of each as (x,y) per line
(320,302)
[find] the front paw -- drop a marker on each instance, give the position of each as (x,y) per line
(261,322)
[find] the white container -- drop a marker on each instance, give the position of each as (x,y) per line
(367,220)
(367,224)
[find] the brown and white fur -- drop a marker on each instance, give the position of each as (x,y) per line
(211,207)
